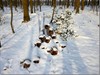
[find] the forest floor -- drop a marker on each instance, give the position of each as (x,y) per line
(81,55)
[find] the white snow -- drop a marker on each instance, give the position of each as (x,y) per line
(80,56)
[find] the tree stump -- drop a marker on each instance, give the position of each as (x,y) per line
(38,43)
(47,26)
(53,36)
(47,39)
(26,63)
(36,61)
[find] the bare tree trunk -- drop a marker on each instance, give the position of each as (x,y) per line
(5,3)
(54,5)
(26,16)
(40,5)
(34,6)
(75,2)
(48,2)
(93,4)
(31,6)
(15,4)
(68,3)
(59,2)
(1,5)
(97,7)
(11,17)
(89,2)
(77,5)
(72,2)
(21,3)
(82,4)
(0,44)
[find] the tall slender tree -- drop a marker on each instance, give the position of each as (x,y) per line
(1,5)
(72,1)
(89,2)
(68,3)
(34,6)
(75,2)
(15,4)
(59,2)
(0,44)
(11,23)
(39,3)
(82,4)
(26,16)
(31,6)
(77,5)
(54,6)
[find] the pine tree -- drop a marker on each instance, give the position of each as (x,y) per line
(26,16)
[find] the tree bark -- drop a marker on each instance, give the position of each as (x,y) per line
(72,2)
(82,4)
(34,6)
(15,4)
(31,6)
(75,2)
(26,16)
(59,2)
(77,5)
(11,23)
(39,3)
(0,44)
(54,5)
(1,5)
(68,3)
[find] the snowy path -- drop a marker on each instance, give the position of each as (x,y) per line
(80,57)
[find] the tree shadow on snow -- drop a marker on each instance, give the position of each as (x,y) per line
(72,61)
(48,64)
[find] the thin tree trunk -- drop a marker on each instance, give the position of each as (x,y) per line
(54,5)
(1,5)
(75,2)
(68,3)
(26,16)
(0,44)
(11,17)
(72,2)
(15,4)
(89,2)
(77,5)
(34,7)
(59,2)
(39,3)
(21,3)
(82,4)
(97,7)
(31,6)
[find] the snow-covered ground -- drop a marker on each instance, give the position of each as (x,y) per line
(81,56)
